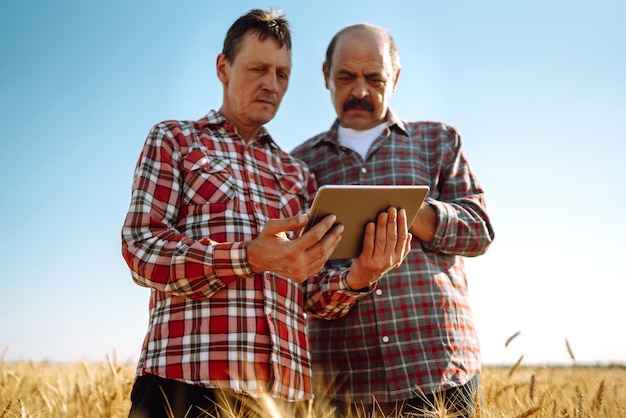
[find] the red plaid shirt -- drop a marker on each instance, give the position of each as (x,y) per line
(416,329)
(200,194)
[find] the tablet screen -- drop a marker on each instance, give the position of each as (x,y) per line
(355,206)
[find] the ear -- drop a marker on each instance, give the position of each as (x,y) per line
(395,82)
(326,74)
(221,66)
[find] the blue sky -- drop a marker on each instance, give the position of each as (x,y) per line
(536,88)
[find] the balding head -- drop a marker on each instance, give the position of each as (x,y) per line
(364,29)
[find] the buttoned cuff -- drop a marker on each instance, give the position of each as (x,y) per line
(446,218)
(230,261)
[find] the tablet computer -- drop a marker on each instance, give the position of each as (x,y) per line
(355,206)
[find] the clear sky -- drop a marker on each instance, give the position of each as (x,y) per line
(537,89)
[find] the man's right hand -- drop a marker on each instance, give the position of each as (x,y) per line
(297,259)
(385,246)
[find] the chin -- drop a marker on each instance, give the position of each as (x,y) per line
(265,115)
(359,125)
(263,119)
(358,120)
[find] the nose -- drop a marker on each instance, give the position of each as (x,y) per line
(270,82)
(360,89)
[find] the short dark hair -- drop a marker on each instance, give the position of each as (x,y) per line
(393,49)
(264,23)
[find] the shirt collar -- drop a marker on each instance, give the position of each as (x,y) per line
(214,117)
(393,122)
(396,123)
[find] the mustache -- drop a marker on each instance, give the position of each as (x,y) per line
(355,103)
(272,98)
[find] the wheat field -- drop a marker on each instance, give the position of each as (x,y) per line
(38,390)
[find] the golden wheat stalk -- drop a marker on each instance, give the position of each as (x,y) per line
(477,410)
(22,406)
(597,400)
(531,389)
(511,338)
(516,365)
(529,412)
(569,350)
(6,408)
(581,403)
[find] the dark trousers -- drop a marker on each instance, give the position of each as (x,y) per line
(456,402)
(155,397)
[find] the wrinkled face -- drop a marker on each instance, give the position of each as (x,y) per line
(254,83)
(361,79)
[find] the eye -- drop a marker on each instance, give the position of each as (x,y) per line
(378,82)
(259,69)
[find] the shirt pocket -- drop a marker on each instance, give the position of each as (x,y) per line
(292,193)
(207,179)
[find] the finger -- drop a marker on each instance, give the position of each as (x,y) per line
(318,254)
(327,243)
(382,230)
(276,226)
(401,255)
(391,237)
(369,239)
(403,230)
(407,245)
(318,231)
(392,229)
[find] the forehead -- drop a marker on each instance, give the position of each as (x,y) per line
(361,50)
(267,51)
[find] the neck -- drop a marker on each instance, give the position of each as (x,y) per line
(246,132)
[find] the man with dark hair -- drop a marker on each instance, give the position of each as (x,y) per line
(212,231)
(411,343)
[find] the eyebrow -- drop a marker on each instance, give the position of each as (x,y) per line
(265,64)
(367,75)
(343,71)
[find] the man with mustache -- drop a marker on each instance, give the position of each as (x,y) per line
(211,230)
(411,343)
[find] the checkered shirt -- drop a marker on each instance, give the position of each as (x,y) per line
(200,194)
(415,331)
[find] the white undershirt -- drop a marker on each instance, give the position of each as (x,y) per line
(360,141)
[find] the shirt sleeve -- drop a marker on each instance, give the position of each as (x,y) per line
(463,225)
(329,296)
(159,256)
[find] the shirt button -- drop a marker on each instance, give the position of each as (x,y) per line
(379,292)
(385,339)
(363,170)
